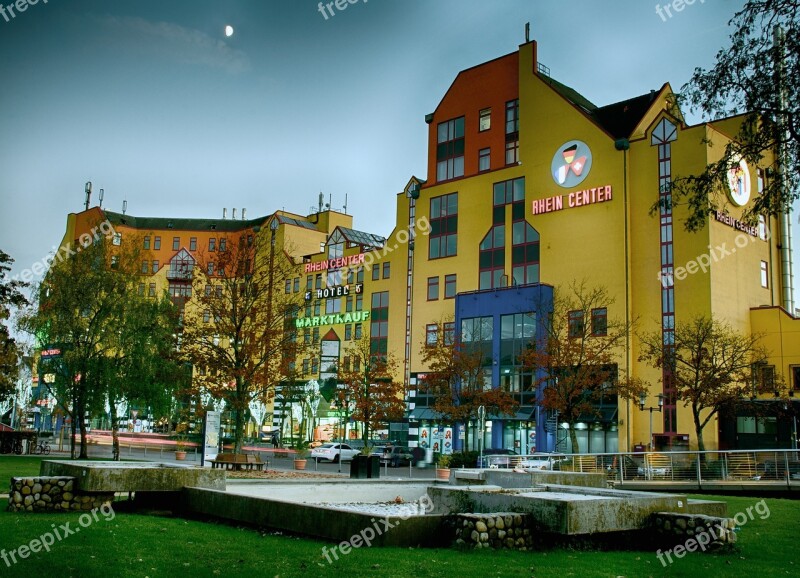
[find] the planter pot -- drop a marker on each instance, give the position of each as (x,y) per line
(359,467)
(180,456)
(443,474)
(300,464)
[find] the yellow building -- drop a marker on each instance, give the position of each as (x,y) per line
(531,186)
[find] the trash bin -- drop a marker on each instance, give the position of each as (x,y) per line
(358,467)
(373,467)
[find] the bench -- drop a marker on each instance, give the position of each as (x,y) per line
(237,462)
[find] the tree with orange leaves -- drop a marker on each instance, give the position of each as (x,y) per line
(368,388)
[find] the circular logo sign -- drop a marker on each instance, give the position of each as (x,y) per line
(571,164)
(739,181)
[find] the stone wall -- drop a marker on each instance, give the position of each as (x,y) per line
(500,531)
(710,531)
(52,493)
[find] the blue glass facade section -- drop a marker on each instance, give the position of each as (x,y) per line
(495,303)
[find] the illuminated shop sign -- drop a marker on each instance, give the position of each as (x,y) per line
(49,353)
(739,182)
(337,291)
(335,319)
(572,200)
(571,164)
(334,263)
(724,217)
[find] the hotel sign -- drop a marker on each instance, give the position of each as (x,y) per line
(334,263)
(336,291)
(571,200)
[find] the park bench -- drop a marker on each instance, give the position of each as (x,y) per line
(237,462)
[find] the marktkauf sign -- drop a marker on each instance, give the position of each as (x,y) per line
(337,319)
(336,291)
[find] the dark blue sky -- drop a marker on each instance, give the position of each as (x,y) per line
(150,101)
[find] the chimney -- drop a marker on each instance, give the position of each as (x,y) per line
(224,214)
(233,213)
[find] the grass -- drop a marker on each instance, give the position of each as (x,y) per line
(19,466)
(137,545)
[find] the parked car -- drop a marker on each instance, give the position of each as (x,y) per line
(394,456)
(333,452)
(541,461)
(498,458)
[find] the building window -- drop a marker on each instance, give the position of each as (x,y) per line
(155,267)
(524,253)
(318,281)
(386,270)
(477,329)
(314,335)
(193,243)
(357,331)
(208,291)
(484,159)
(176,243)
(575,319)
(180,290)
(356,363)
(333,306)
(764,274)
(305,366)
(309,283)
(223,245)
(359,302)
(288,286)
(348,303)
(492,259)
(147,242)
(296,285)
(348,332)
(443,238)
(379,326)
(211,269)
(431,335)
(218,291)
(116,239)
(600,322)
(212,245)
(761,180)
(206,316)
(307,335)
(157,243)
(485,121)
(433,288)
(317,308)
(449,332)
(141,289)
(795,384)
(512,132)
(449,286)
(450,149)
(376,272)
(145,266)
(151,290)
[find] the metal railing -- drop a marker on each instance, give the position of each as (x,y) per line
(689,467)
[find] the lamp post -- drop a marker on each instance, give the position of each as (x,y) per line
(660,407)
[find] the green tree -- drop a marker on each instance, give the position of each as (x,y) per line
(756,76)
(11,298)
(712,367)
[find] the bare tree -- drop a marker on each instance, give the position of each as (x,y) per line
(712,367)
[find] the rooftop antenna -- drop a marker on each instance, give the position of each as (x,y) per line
(345,203)
(88,193)
(527,32)
(233,213)
(321,200)
(224,213)
(124,206)
(244,212)
(101,198)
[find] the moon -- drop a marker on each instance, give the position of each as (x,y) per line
(229,31)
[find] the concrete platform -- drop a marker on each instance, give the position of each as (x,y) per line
(91,476)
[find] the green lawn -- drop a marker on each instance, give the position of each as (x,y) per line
(138,545)
(25,466)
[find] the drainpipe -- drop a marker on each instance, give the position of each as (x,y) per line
(787,284)
(624,145)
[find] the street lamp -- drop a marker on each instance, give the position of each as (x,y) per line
(660,407)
